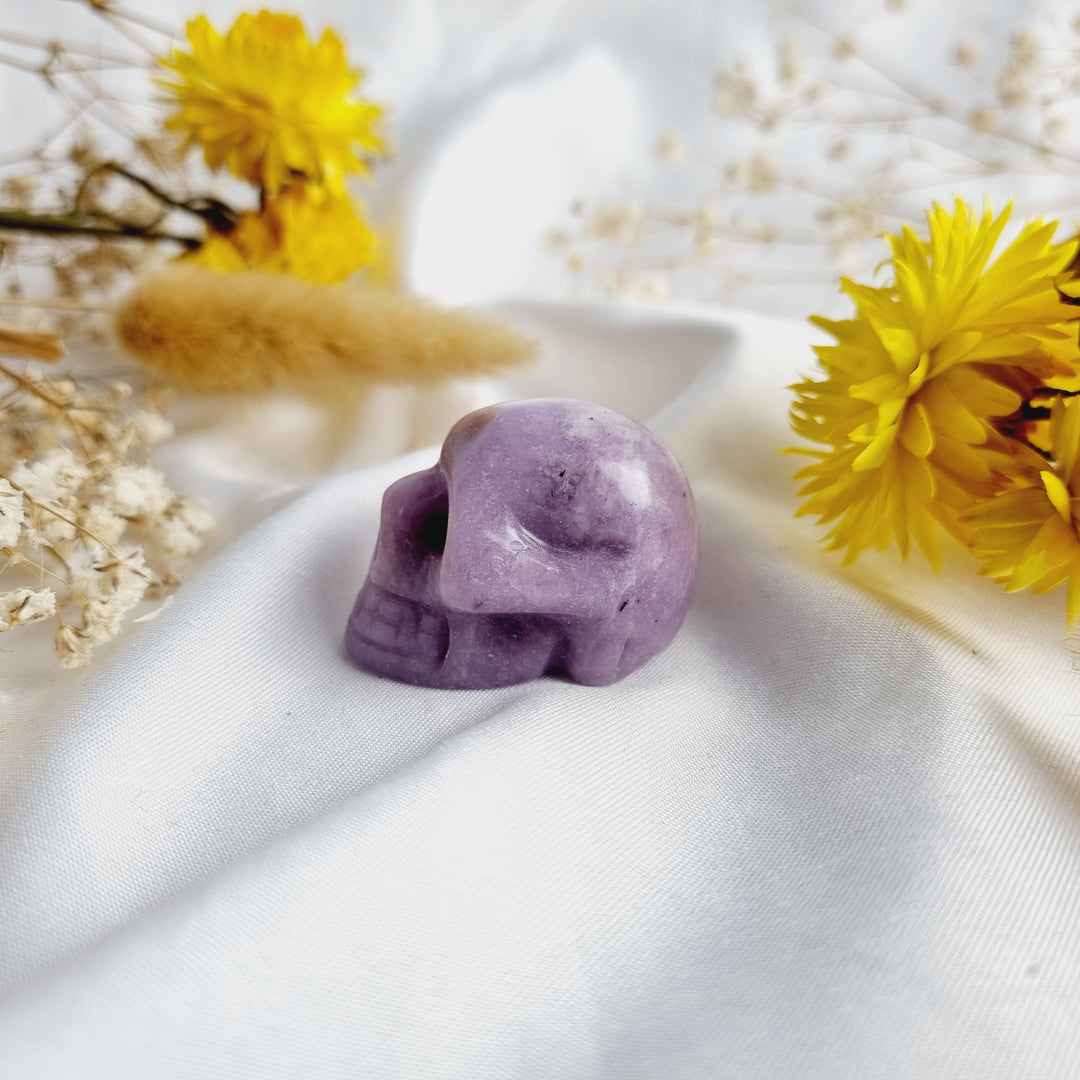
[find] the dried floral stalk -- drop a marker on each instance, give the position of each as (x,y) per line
(252,331)
(67,216)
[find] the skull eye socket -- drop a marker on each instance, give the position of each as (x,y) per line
(430,529)
(559,533)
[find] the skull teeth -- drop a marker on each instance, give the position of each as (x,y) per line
(394,624)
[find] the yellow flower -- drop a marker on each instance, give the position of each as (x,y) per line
(245,248)
(270,105)
(1029,537)
(305,231)
(321,237)
(917,379)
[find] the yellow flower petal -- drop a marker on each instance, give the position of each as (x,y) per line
(876,451)
(917,431)
(1072,599)
(1058,494)
(1065,440)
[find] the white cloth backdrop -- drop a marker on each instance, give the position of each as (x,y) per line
(832,832)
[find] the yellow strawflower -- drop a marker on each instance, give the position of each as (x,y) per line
(305,231)
(912,407)
(270,105)
(1029,537)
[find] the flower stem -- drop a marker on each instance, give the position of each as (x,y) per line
(217,215)
(80,224)
(53,304)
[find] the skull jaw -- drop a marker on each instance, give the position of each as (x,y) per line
(403,639)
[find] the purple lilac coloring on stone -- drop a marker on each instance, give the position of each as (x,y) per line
(552,537)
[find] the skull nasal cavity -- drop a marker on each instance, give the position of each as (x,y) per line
(430,528)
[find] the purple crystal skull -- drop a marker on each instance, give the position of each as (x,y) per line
(553,537)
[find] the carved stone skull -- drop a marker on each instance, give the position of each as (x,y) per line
(553,536)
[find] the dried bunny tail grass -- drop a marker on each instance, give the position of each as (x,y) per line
(210,331)
(35,344)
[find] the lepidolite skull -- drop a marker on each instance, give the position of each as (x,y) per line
(553,536)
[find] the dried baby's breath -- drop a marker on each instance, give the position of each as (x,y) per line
(88,529)
(840,138)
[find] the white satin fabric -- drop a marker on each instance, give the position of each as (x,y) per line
(832,832)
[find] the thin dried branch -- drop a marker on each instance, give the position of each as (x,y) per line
(843,145)
(35,344)
(75,223)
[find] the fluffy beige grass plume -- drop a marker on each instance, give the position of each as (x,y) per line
(211,332)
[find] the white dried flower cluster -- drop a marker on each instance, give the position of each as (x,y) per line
(806,160)
(88,529)
(21,606)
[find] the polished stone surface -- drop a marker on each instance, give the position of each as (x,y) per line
(552,537)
